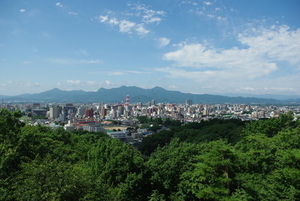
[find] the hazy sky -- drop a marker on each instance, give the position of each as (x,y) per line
(215,46)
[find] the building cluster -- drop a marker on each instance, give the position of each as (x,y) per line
(98,117)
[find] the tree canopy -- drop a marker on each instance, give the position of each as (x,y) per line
(211,160)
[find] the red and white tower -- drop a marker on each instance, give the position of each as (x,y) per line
(127,100)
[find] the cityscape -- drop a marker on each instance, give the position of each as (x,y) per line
(161,100)
(115,119)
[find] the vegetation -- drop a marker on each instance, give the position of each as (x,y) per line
(211,160)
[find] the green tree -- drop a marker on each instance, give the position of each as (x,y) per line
(150,143)
(269,166)
(166,165)
(10,128)
(212,175)
(272,126)
(51,179)
(119,166)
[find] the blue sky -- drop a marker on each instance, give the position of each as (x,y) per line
(211,46)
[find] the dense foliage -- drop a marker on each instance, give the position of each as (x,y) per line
(212,160)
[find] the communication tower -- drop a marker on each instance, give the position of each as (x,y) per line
(127,100)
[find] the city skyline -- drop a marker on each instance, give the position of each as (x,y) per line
(213,47)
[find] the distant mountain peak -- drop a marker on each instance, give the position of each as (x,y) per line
(158,88)
(137,94)
(55,89)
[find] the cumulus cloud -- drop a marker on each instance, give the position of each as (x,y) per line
(277,43)
(125,26)
(103,18)
(133,21)
(93,83)
(86,85)
(163,41)
(59,4)
(258,59)
(262,53)
(141,30)
(148,15)
(22,10)
(74,82)
(207,3)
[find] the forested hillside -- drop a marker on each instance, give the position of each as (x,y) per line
(213,160)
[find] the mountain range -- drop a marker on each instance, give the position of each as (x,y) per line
(118,95)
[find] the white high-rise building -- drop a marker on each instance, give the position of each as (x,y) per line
(54,111)
(81,111)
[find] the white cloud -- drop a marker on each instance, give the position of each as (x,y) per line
(68,61)
(103,18)
(278,43)
(140,29)
(74,82)
(163,41)
(84,85)
(20,84)
(126,26)
(93,83)
(259,59)
(264,52)
(150,16)
(128,72)
(22,10)
(152,19)
(116,73)
(58,4)
(113,21)
(247,88)
(189,2)
(172,87)
(207,3)
(133,21)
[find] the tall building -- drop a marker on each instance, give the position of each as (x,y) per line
(81,111)
(152,102)
(89,113)
(103,112)
(189,102)
(36,105)
(54,111)
(69,108)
